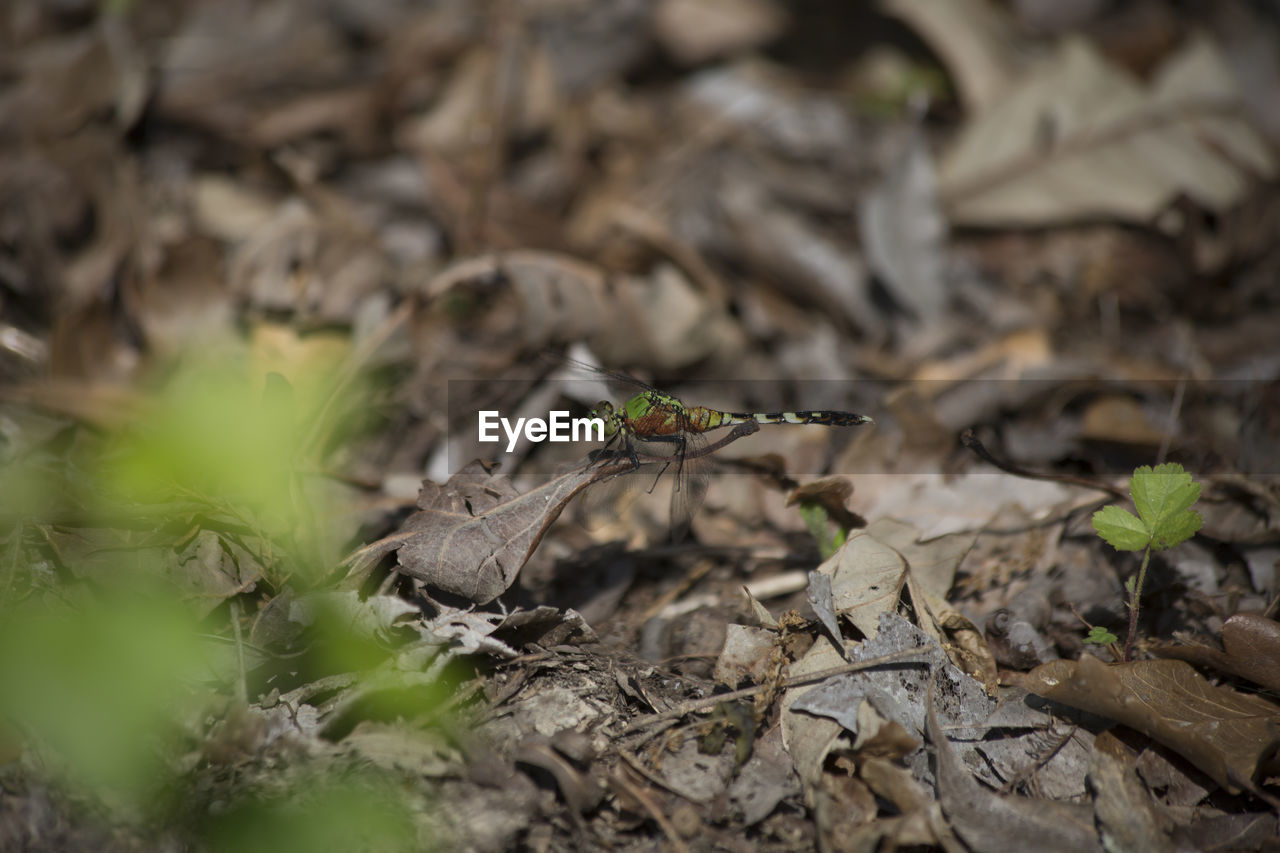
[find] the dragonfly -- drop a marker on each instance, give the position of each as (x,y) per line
(655,417)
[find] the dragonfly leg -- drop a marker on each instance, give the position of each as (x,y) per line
(678,456)
(654,484)
(681,447)
(626,449)
(601,454)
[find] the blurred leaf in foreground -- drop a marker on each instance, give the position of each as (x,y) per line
(325,814)
(240,454)
(96,686)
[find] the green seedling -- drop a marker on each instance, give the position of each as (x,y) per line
(1163,497)
(818,521)
(1100,636)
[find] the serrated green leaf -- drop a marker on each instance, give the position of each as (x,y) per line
(1162,497)
(1121,529)
(1177,529)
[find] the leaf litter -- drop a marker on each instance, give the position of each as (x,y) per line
(374,213)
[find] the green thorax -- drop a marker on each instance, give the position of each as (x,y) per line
(656,413)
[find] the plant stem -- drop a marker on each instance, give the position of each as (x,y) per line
(1134,599)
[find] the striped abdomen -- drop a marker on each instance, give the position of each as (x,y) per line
(702,419)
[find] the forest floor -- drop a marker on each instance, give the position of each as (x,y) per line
(264,264)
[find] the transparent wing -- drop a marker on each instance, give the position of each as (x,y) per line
(684,459)
(693,472)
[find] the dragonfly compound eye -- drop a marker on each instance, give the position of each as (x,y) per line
(604,411)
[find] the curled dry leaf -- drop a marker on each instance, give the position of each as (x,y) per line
(1226,734)
(869,570)
(830,493)
(474,533)
(745,655)
(819,594)
(1252,644)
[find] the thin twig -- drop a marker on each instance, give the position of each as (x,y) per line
(619,780)
(969,440)
(637,765)
(903,656)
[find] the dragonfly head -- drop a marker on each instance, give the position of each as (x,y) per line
(605,412)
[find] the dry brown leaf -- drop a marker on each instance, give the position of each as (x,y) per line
(1125,812)
(211,570)
(904,232)
(831,493)
(895,784)
(698,30)
(1224,733)
(1079,138)
(969,649)
(1240,509)
(809,739)
(1121,419)
(765,780)
(939,504)
(475,533)
(975,39)
(1252,645)
(537,298)
(866,577)
(883,740)
(745,655)
(933,563)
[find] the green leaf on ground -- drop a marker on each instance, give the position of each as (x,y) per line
(1121,529)
(1163,496)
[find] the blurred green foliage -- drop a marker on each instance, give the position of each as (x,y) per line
(241,454)
(115,544)
(100,679)
(364,813)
